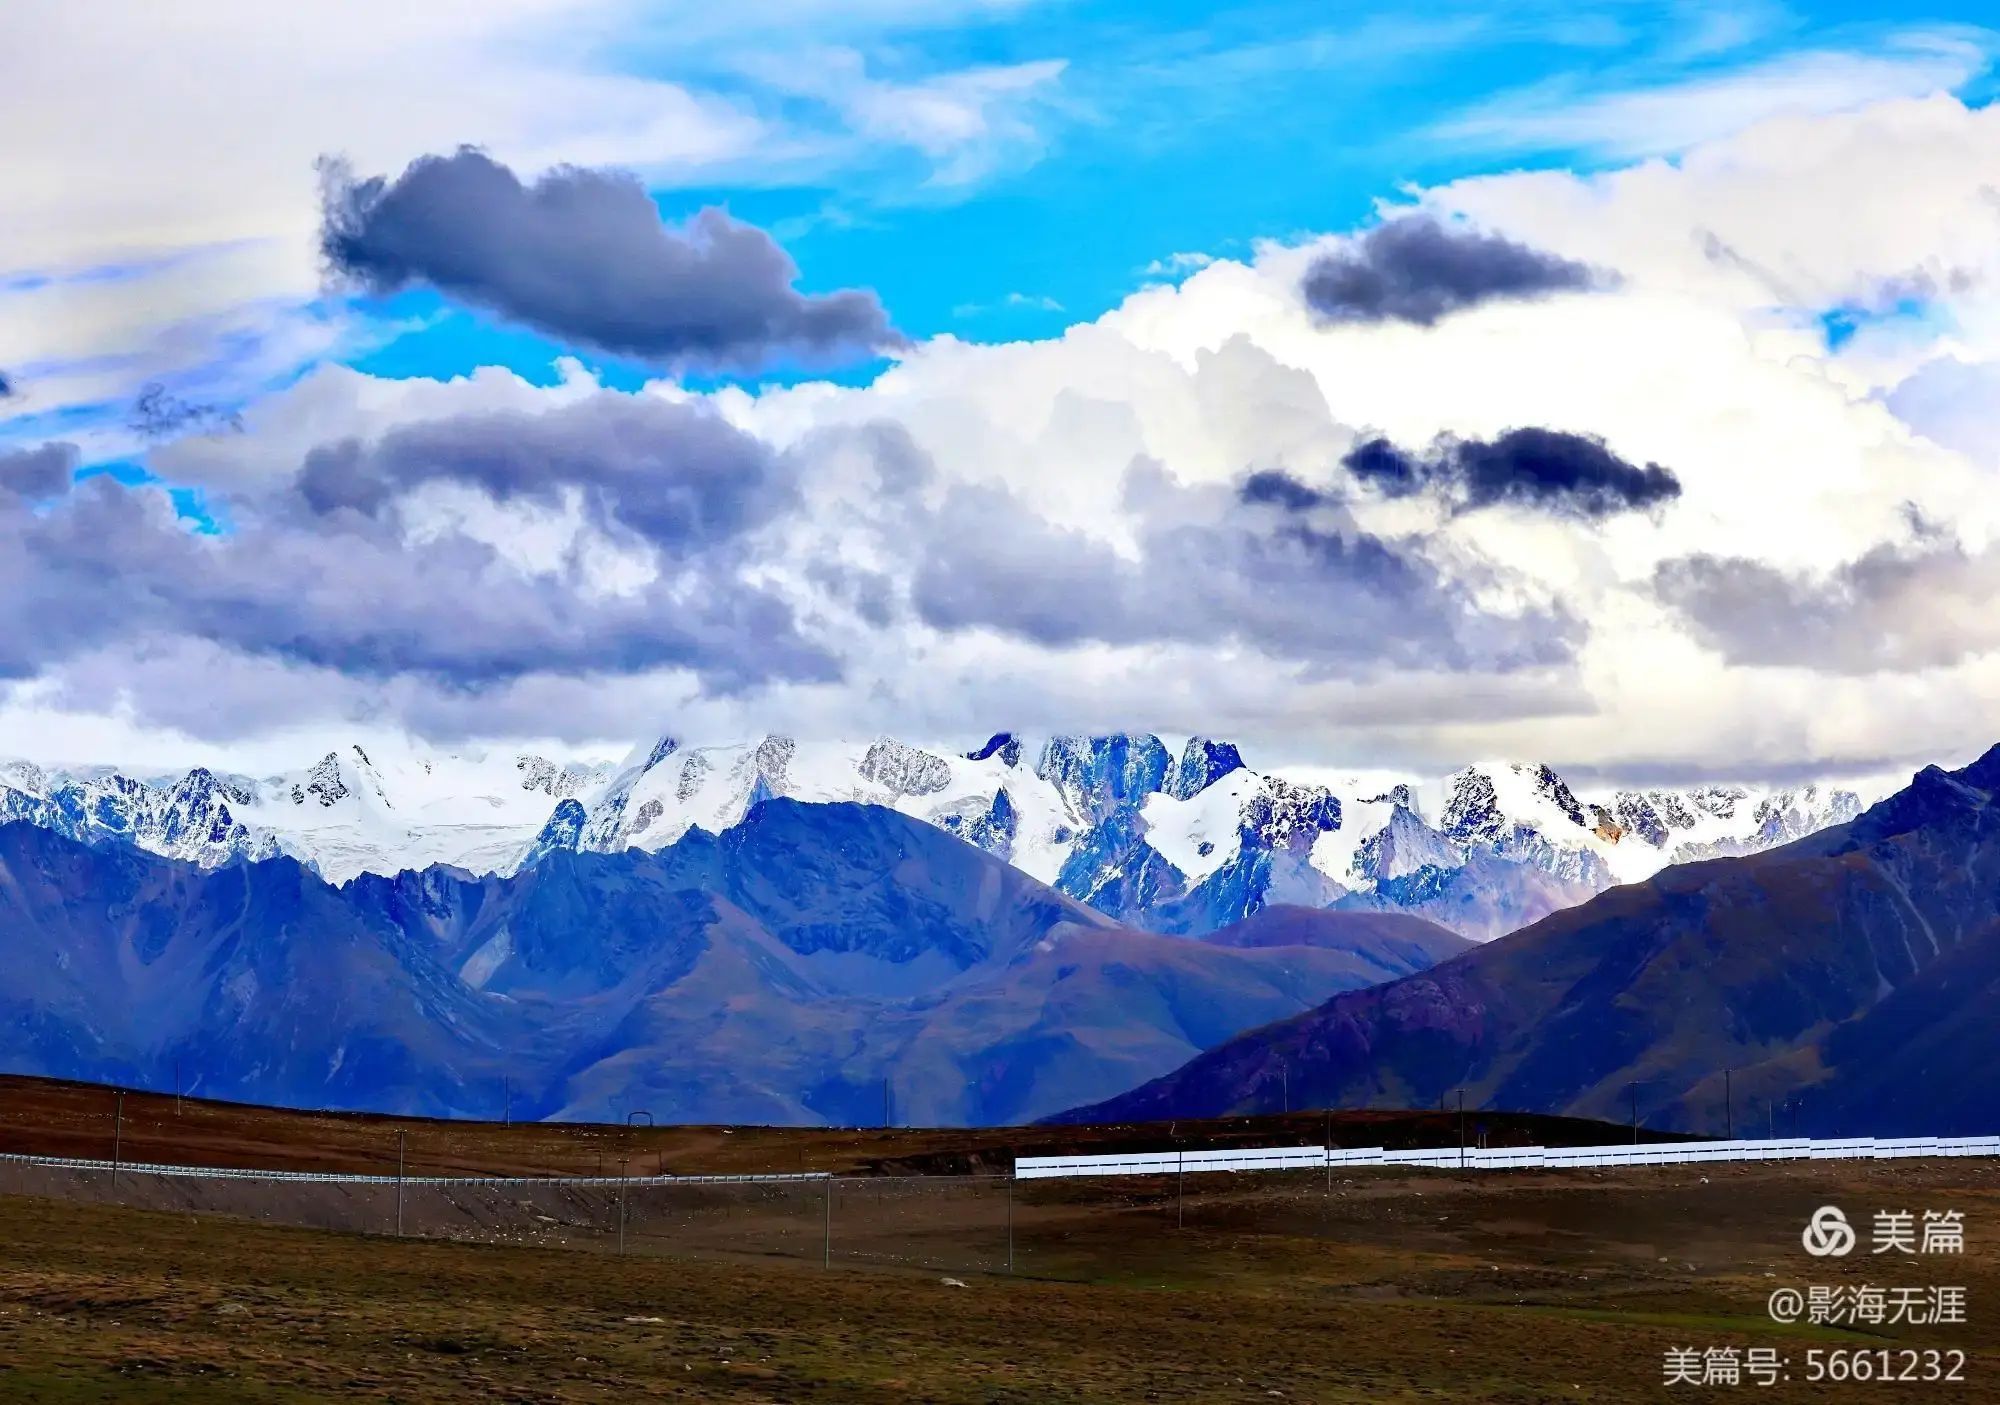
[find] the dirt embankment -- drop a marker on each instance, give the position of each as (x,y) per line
(53,1118)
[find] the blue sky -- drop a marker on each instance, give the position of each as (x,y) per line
(1195,128)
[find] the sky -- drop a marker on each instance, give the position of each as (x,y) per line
(1609,385)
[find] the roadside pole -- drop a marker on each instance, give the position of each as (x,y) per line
(1010,1224)
(1728,1107)
(826,1230)
(1328,1149)
(1180,1189)
(399,1184)
(623,1161)
(117,1133)
(1461,1129)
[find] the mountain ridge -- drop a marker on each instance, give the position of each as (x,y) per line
(1181,842)
(775,973)
(1817,972)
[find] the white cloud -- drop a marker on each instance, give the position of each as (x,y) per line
(1667,117)
(1788,454)
(177,142)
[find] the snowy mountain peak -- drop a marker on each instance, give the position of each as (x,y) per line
(558,782)
(1202,763)
(1179,843)
(1097,775)
(904,770)
(323,783)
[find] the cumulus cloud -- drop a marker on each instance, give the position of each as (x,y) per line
(1417,269)
(584,255)
(674,474)
(1210,569)
(963,537)
(1546,469)
(349,571)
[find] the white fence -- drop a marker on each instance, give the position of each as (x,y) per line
(234,1173)
(1502,1158)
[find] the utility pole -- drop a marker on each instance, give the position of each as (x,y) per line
(178,1085)
(507,1101)
(1728,1108)
(117,1132)
(1461,1129)
(399,1184)
(885,1104)
(1285,1075)
(826,1233)
(1633,1089)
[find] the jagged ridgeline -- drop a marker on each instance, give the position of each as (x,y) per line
(1177,840)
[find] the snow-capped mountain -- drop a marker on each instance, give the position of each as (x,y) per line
(1177,840)
(353,811)
(1192,841)
(1028,814)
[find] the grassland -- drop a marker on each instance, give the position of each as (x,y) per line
(1377,1286)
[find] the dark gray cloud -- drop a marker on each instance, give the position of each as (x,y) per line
(1926,603)
(335,575)
(160,414)
(41,472)
(1549,470)
(1213,569)
(1276,488)
(1416,269)
(676,475)
(584,256)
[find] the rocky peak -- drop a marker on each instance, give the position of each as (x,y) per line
(1202,763)
(1284,814)
(1099,775)
(1473,809)
(543,776)
(904,770)
(563,831)
(323,783)
(1555,789)
(1004,745)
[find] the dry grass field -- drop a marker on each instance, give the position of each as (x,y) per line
(1375,1286)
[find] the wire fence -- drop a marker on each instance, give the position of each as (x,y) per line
(1072,1217)
(951,1223)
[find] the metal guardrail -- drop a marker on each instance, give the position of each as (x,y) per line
(1151,1163)
(1502,1157)
(238,1173)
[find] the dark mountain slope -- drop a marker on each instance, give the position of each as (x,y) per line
(781,972)
(1846,969)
